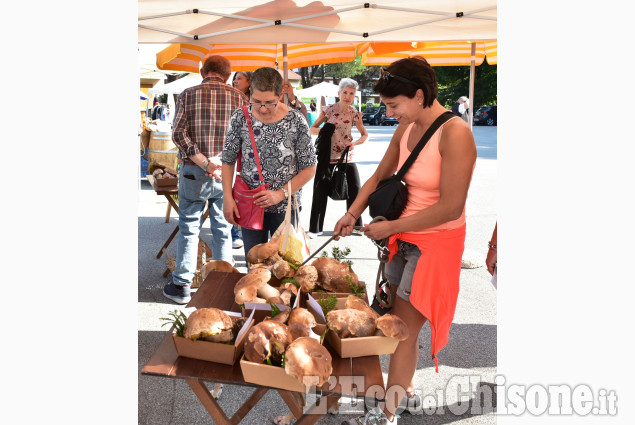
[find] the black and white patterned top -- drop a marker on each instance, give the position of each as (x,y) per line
(284,147)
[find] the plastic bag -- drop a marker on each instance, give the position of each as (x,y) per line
(293,244)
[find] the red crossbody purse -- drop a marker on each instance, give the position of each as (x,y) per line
(251,215)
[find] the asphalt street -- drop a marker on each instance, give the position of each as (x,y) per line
(468,361)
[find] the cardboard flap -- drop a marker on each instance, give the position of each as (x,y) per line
(316,306)
(245,326)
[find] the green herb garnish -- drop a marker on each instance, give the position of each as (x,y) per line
(340,254)
(274,310)
(357,290)
(177,320)
(291,280)
(327,303)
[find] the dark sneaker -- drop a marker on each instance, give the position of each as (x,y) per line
(177,293)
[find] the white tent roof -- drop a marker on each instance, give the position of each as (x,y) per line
(285,21)
(176,87)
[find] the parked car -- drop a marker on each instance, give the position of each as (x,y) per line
(389,121)
(374,115)
(485,115)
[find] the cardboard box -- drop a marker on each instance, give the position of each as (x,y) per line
(341,298)
(167,182)
(352,347)
(263,310)
(269,376)
(214,351)
(274,376)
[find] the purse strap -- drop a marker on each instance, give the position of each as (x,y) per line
(253,145)
(441,119)
(344,155)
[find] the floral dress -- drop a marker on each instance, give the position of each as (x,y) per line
(284,148)
(342,135)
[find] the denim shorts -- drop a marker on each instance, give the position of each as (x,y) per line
(401,268)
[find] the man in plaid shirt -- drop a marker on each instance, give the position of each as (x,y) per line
(200,124)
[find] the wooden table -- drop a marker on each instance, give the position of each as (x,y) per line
(168,192)
(217,291)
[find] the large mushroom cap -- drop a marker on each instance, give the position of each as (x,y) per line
(282,269)
(268,339)
(351,323)
(217,266)
(393,326)
(357,303)
(210,323)
(309,362)
(307,277)
(263,253)
(302,316)
(332,274)
(246,289)
(297,330)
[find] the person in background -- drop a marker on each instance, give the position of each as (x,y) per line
(426,242)
(492,257)
(200,124)
(343,116)
(242,81)
(313,105)
(294,102)
(461,107)
(285,150)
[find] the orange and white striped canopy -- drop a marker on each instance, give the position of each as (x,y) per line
(248,57)
(456,53)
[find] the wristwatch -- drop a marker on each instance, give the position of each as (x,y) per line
(205,164)
(293,102)
(286,193)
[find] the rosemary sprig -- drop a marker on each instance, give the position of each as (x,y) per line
(178,319)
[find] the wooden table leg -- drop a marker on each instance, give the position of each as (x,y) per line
(311,417)
(211,405)
(249,404)
(165,245)
(292,401)
(167,214)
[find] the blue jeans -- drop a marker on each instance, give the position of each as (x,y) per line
(270,224)
(235,233)
(195,190)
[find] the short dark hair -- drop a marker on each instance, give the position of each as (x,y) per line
(266,79)
(217,64)
(419,74)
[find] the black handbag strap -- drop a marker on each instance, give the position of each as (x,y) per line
(342,157)
(441,119)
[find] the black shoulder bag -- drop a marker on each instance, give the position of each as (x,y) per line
(338,190)
(391,195)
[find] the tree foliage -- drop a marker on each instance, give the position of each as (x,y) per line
(453,81)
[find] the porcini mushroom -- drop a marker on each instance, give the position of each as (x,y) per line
(309,362)
(302,316)
(357,303)
(393,326)
(351,323)
(263,253)
(282,269)
(267,340)
(332,274)
(307,277)
(210,324)
(244,289)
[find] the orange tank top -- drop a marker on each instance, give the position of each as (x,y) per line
(423,180)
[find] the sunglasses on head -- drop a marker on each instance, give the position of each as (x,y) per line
(387,76)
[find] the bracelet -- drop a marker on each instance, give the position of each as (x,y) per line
(491,246)
(205,164)
(349,213)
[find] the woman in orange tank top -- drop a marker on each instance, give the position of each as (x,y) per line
(426,241)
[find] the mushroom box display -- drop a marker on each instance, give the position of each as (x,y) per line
(357,330)
(210,334)
(284,352)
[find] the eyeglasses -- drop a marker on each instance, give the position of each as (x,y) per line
(387,76)
(269,106)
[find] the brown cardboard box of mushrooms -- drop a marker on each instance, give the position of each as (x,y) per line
(357,330)
(213,335)
(324,276)
(165,176)
(283,352)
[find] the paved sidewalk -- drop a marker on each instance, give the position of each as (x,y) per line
(470,352)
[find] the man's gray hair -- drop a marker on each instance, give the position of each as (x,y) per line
(348,82)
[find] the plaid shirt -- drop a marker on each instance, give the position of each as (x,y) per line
(202,116)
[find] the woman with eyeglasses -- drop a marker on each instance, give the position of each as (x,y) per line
(284,147)
(426,241)
(343,116)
